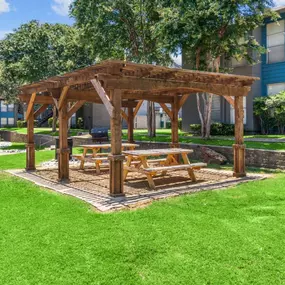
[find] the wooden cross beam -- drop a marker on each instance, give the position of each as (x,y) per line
(30,109)
(63,96)
(182,101)
(75,108)
(103,95)
(230,100)
(124,115)
(40,110)
(167,110)
(137,108)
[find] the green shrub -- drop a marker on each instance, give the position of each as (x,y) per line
(195,129)
(21,124)
(168,125)
(217,129)
(180,124)
(50,122)
(80,123)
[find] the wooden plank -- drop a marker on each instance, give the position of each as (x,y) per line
(157,152)
(30,146)
(116,158)
(239,147)
(166,110)
(103,95)
(153,84)
(137,108)
(40,110)
(130,125)
(63,96)
(174,122)
(75,108)
(63,151)
(30,109)
(55,102)
(182,100)
(230,100)
(124,115)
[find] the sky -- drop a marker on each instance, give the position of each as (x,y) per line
(13,13)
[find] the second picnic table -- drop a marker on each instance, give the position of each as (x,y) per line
(138,161)
(98,157)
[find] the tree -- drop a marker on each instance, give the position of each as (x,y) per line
(208,30)
(122,29)
(37,51)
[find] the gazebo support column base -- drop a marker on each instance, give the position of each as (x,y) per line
(30,155)
(239,160)
(116,175)
(63,160)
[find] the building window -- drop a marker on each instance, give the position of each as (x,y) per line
(3,107)
(11,108)
(3,122)
(275,42)
(11,121)
(237,63)
(273,89)
(232,112)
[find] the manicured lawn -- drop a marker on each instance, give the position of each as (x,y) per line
(43,131)
(141,136)
(221,237)
(16,146)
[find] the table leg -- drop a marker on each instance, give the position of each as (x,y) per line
(83,159)
(167,162)
(148,175)
(190,171)
(128,164)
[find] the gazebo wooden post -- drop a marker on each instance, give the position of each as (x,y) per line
(63,151)
(239,146)
(130,124)
(116,158)
(174,122)
(30,146)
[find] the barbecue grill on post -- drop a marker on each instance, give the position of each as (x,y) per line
(99,135)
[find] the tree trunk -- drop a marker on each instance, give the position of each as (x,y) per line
(54,119)
(151,119)
(204,104)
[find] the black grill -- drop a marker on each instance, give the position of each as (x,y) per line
(99,135)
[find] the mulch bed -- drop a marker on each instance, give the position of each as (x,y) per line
(136,183)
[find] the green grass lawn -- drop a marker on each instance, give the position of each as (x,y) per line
(220,237)
(141,136)
(43,131)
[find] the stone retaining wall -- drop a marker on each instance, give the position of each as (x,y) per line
(40,140)
(254,157)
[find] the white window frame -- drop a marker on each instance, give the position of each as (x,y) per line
(11,121)
(279,87)
(4,107)
(4,122)
(278,32)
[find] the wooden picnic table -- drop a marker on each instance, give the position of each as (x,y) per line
(98,157)
(141,161)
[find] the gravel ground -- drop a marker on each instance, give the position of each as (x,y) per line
(136,183)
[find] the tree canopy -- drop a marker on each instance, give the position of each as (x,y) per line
(121,29)
(36,51)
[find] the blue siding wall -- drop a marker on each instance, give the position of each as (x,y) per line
(5,114)
(274,72)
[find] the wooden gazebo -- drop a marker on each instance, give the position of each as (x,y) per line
(118,85)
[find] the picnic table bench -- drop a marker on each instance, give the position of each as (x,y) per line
(137,161)
(97,157)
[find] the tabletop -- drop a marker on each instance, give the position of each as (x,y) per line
(157,152)
(91,146)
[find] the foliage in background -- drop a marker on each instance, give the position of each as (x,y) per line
(217,129)
(50,122)
(119,29)
(36,51)
(271,112)
(80,123)
(208,30)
